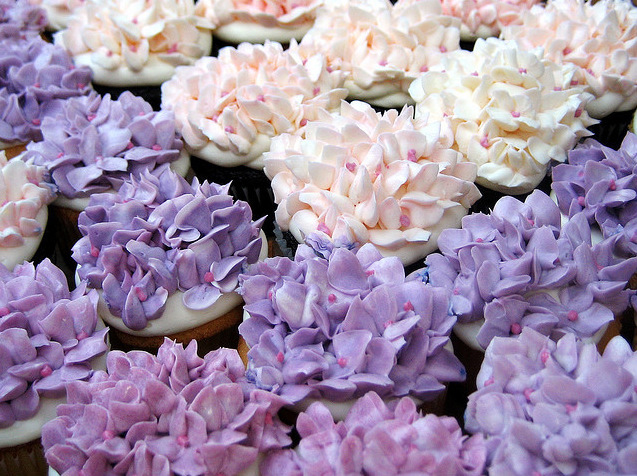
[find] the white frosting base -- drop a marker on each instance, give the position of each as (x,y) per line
(610,102)
(226,158)
(240,31)
(387,94)
(10,257)
(180,166)
(339,410)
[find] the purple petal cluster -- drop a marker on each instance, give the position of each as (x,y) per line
(375,439)
(556,408)
(341,326)
(19,19)
(34,77)
(94,143)
(48,336)
(518,267)
(602,183)
(174,413)
(159,234)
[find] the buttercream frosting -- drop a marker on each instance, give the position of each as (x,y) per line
(556,408)
(364,176)
(229,107)
(160,234)
(378,439)
(382,48)
(255,21)
(93,144)
(19,18)
(174,413)
(58,12)
(602,183)
(48,337)
(510,110)
(34,77)
(597,38)
(134,42)
(518,267)
(335,323)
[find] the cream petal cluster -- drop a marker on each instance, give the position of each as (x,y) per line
(512,111)
(229,107)
(259,20)
(369,177)
(382,48)
(24,194)
(134,41)
(599,38)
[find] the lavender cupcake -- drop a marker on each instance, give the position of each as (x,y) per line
(174,413)
(337,323)
(377,439)
(34,77)
(48,338)
(21,19)
(166,256)
(549,408)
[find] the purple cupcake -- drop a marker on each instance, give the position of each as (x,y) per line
(20,19)
(378,439)
(174,413)
(336,323)
(549,408)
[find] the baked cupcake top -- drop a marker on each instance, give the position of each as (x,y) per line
(598,38)
(337,323)
(21,18)
(134,42)
(602,183)
(255,21)
(48,337)
(363,176)
(380,47)
(158,235)
(34,74)
(229,107)
(94,143)
(518,267)
(376,438)
(512,111)
(174,413)
(547,408)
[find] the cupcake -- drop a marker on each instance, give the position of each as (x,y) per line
(174,413)
(511,110)
(35,77)
(165,256)
(368,177)
(135,44)
(382,48)
(49,338)
(25,193)
(236,21)
(58,12)
(19,18)
(336,323)
(556,408)
(92,144)
(376,439)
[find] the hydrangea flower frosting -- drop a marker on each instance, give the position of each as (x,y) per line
(598,38)
(20,18)
(376,439)
(48,336)
(380,47)
(229,107)
(25,191)
(34,75)
(602,183)
(93,144)
(370,177)
(512,111)
(519,268)
(135,42)
(255,21)
(556,408)
(158,235)
(338,326)
(174,413)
